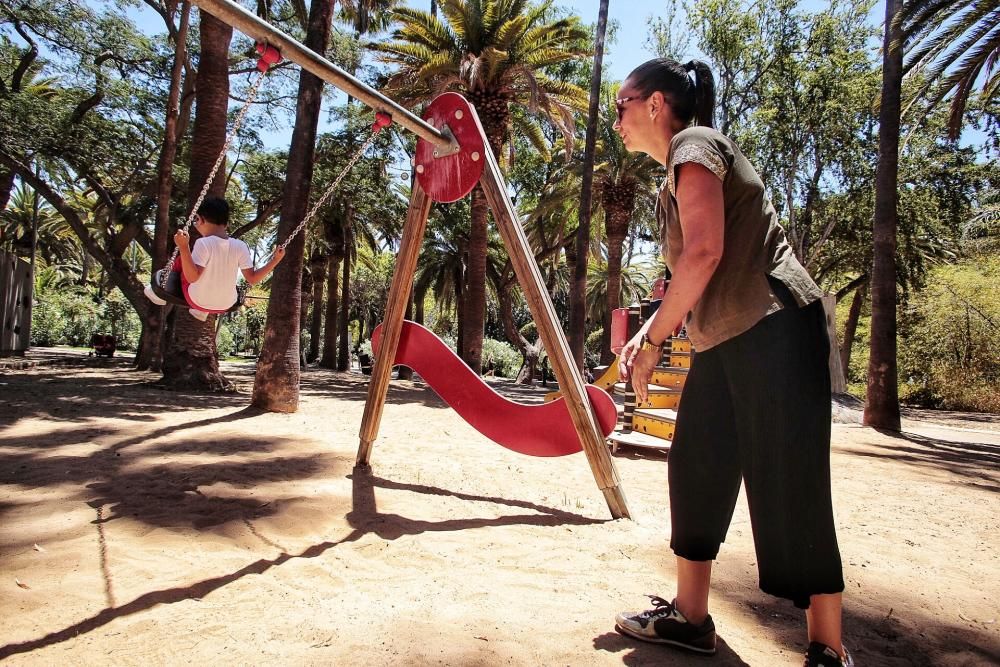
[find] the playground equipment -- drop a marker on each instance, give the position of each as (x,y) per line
(649,424)
(452,157)
(15,304)
(535,430)
(268,57)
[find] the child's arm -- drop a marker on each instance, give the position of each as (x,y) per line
(192,272)
(254,276)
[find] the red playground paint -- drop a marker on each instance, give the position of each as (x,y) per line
(545,429)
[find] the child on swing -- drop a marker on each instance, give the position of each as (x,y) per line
(208,271)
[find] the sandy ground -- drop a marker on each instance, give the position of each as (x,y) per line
(139,526)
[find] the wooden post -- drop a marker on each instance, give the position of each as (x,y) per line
(542,311)
(399,293)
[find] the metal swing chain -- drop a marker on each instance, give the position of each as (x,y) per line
(325,197)
(251,96)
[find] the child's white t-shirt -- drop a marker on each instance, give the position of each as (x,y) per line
(220,259)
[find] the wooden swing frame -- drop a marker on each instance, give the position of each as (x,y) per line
(442,160)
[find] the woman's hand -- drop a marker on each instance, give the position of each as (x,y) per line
(279,254)
(182,239)
(638,364)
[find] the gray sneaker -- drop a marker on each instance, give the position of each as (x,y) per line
(821,655)
(665,625)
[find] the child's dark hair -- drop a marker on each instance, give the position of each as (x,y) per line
(215,210)
(689,100)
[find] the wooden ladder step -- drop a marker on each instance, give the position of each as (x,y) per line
(657,422)
(659,397)
(636,439)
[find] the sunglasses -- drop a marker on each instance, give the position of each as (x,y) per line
(622,101)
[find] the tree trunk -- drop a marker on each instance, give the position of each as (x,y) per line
(615,243)
(318,270)
(276,386)
(882,401)
(474,311)
(850,329)
(343,324)
(6,187)
(418,305)
(330,326)
(306,291)
(196,366)
(150,353)
(459,309)
(405,372)
(529,352)
(577,333)
(200,370)
(211,107)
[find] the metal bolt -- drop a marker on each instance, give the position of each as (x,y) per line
(475,156)
(420,168)
(459,114)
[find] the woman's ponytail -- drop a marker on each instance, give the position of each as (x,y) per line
(704,92)
(689,89)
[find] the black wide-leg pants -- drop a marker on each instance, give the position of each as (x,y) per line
(756,408)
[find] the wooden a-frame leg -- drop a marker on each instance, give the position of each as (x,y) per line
(392,326)
(567,374)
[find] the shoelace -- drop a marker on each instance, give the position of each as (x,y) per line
(661,608)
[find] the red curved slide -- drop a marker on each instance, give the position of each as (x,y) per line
(545,429)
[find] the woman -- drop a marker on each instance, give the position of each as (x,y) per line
(756,404)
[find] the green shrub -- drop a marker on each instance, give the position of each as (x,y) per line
(592,348)
(500,358)
(949,352)
(117,317)
(225,343)
(47,324)
(80,312)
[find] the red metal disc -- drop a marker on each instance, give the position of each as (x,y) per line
(448,178)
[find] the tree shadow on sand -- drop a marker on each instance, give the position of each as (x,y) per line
(364,518)
(976,462)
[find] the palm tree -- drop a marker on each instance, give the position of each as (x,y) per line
(276,385)
(441,266)
(56,244)
(366,17)
(624,182)
(882,402)
(577,297)
(190,360)
(495,52)
(950,43)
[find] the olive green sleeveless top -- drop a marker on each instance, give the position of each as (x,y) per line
(739,293)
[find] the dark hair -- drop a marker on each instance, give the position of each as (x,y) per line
(215,210)
(690,100)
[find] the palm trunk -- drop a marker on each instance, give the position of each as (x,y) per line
(194,366)
(418,305)
(882,402)
(276,387)
(577,333)
(474,311)
(459,309)
(615,243)
(318,269)
(212,106)
(330,326)
(200,370)
(343,324)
